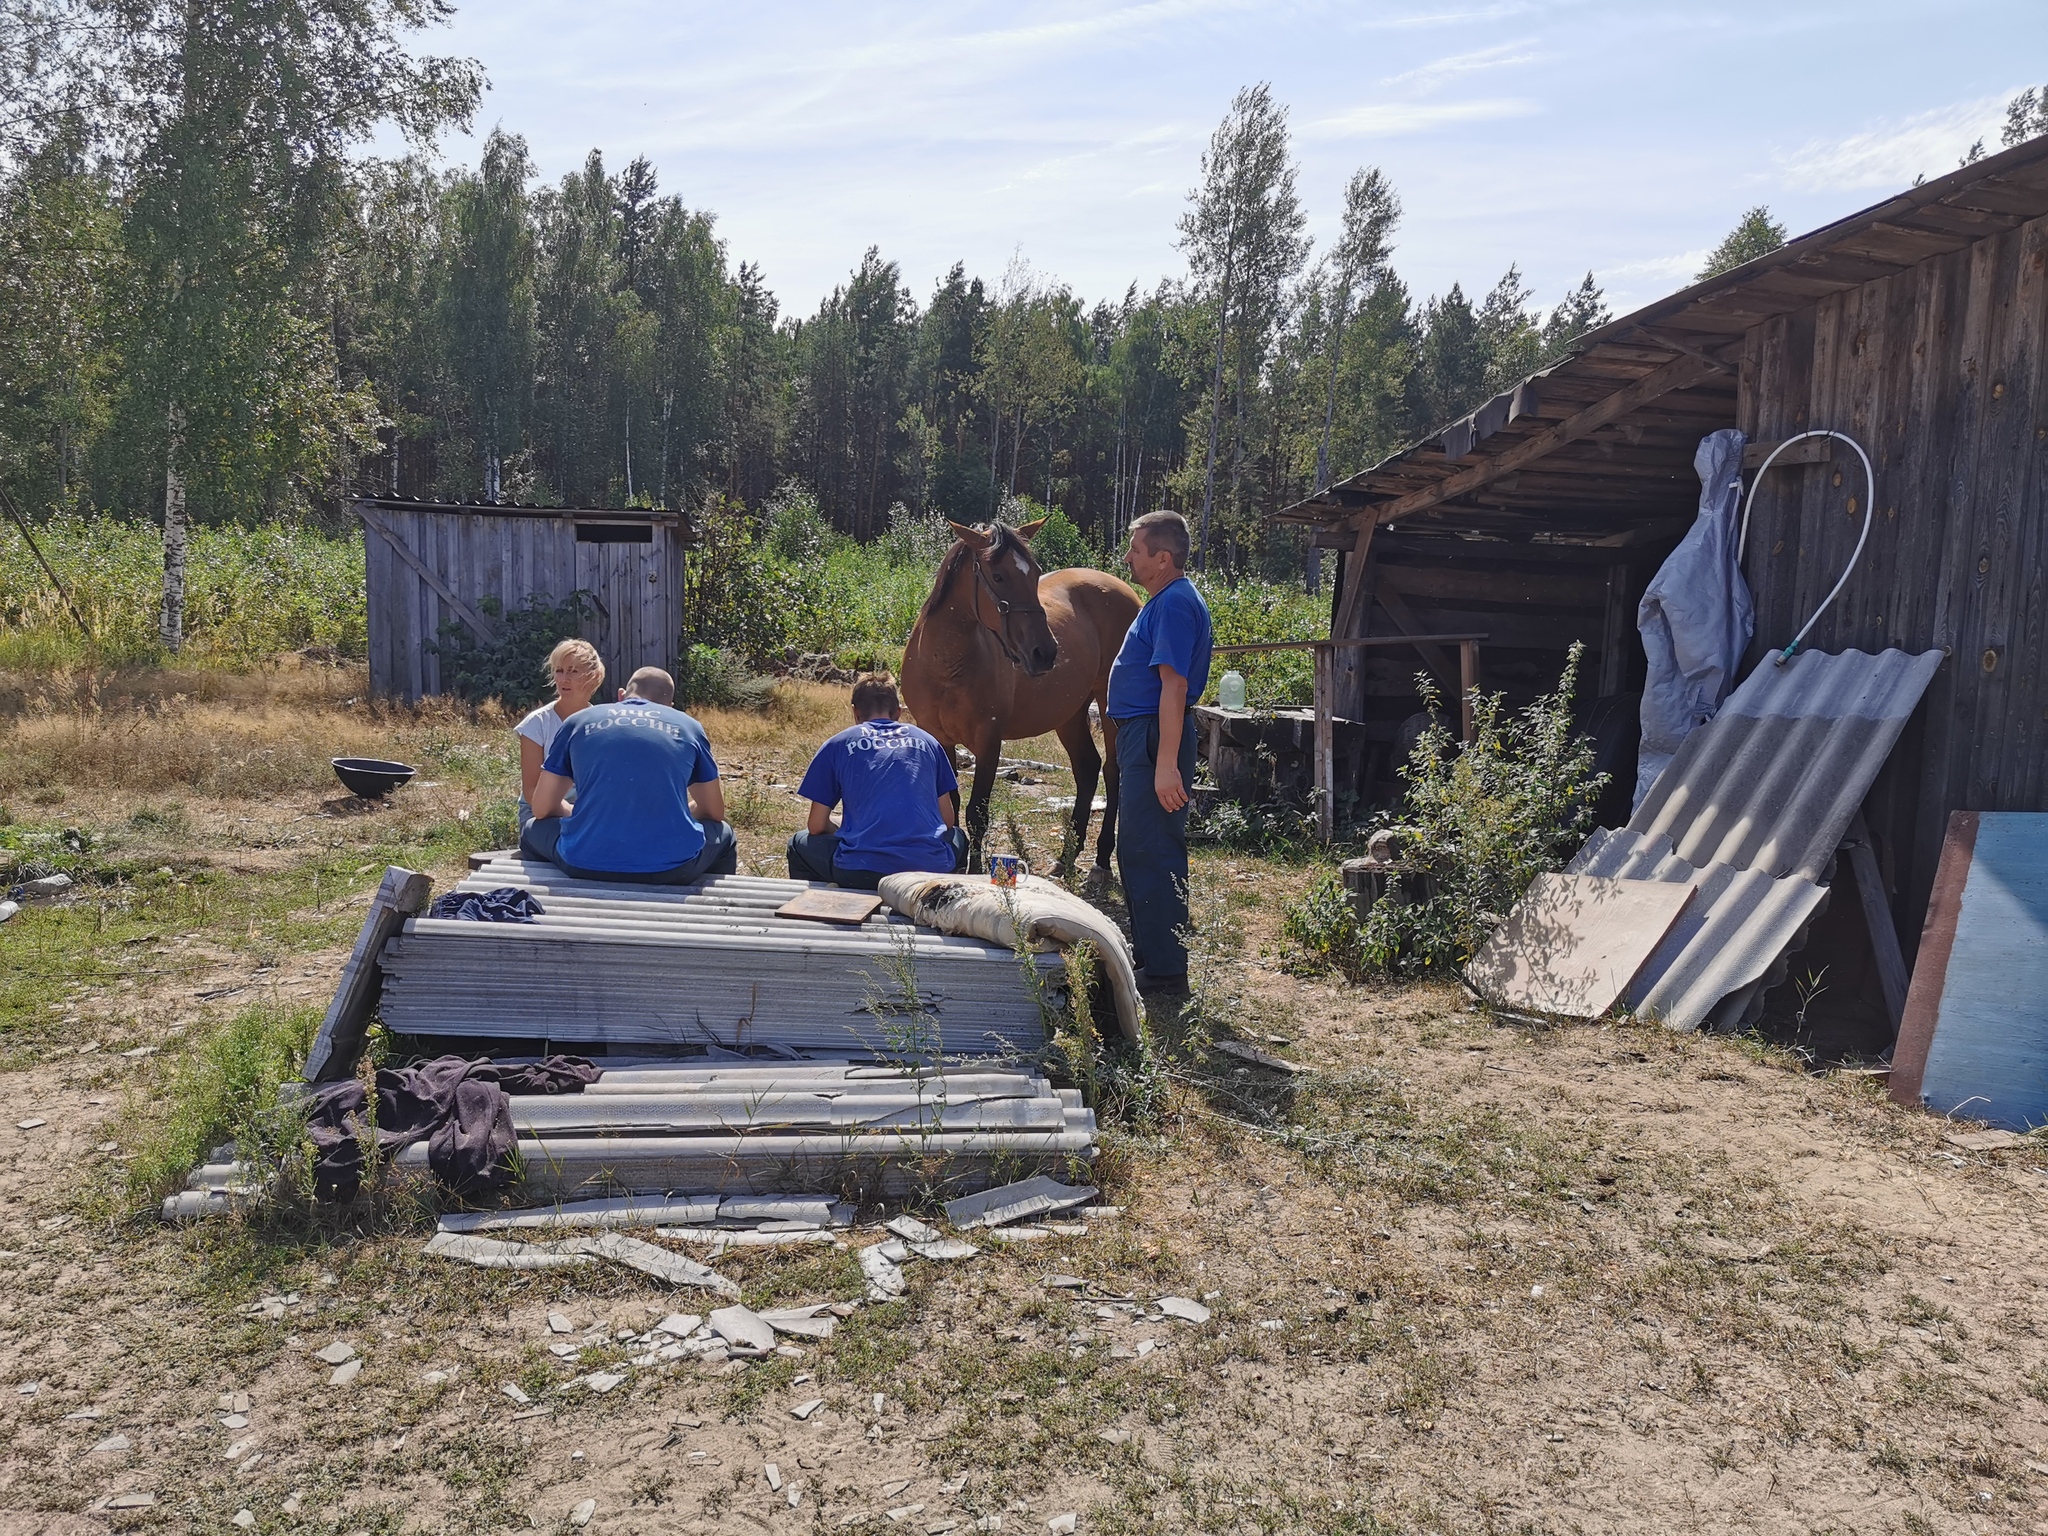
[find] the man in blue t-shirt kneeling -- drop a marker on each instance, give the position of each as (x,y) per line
(648,804)
(901,798)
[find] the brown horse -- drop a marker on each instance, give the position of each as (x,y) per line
(1000,653)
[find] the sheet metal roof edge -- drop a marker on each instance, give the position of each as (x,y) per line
(1790,254)
(523,509)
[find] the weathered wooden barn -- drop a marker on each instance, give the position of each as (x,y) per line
(1919,327)
(432,564)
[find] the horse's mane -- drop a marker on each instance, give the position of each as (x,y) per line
(956,560)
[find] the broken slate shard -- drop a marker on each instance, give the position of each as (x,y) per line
(651,1260)
(623,1211)
(804,1410)
(345,1373)
(490,1253)
(1063,1525)
(679,1325)
(946,1250)
(1182,1307)
(113,1443)
(911,1230)
(580,1515)
(1016,1202)
(743,1329)
(884,1277)
(335,1353)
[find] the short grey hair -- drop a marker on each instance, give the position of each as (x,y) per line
(1166,531)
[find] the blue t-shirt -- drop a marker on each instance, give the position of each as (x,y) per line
(890,776)
(1172,630)
(633,763)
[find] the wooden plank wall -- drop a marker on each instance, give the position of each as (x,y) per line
(1939,373)
(637,589)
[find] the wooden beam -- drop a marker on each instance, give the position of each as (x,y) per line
(1682,374)
(1433,655)
(1333,538)
(1326,746)
(1613,660)
(1690,349)
(1892,977)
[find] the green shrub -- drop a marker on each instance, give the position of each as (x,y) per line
(723,680)
(513,666)
(1477,824)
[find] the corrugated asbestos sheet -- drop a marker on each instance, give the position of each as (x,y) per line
(1728,944)
(1772,781)
(705,966)
(1750,813)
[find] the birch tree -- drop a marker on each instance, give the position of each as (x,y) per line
(1242,234)
(239,117)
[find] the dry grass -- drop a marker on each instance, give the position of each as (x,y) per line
(1590,1279)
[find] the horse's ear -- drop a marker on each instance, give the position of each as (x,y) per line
(967,535)
(1024,531)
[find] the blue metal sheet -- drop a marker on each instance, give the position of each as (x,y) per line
(1988,1059)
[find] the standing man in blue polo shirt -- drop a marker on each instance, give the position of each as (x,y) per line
(1161,669)
(648,808)
(901,798)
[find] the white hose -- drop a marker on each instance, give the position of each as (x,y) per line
(1869,507)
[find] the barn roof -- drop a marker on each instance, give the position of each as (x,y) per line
(1598,447)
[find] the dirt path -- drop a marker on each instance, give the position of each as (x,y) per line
(1593,1280)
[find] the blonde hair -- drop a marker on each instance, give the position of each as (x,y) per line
(583,654)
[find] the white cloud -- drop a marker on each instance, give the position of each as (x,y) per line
(1388,119)
(1892,153)
(1428,77)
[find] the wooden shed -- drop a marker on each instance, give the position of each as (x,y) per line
(1919,327)
(430,564)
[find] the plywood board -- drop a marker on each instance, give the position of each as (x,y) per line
(1574,943)
(1974,1044)
(832,906)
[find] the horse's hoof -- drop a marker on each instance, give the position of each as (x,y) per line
(1097,881)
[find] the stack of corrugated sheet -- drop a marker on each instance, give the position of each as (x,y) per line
(1750,812)
(844,1125)
(708,965)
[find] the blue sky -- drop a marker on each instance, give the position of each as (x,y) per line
(1558,134)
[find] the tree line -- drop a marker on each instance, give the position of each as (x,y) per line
(215,304)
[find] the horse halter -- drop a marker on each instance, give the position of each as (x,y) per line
(1004,608)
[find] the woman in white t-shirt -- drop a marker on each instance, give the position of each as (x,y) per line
(578,672)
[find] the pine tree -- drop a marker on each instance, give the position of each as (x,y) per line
(1756,234)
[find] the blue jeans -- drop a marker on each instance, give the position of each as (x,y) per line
(719,855)
(816,858)
(1152,846)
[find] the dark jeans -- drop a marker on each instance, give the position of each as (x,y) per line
(720,855)
(1152,846)
(816,858)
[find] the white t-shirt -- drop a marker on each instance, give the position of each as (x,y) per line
(540,727)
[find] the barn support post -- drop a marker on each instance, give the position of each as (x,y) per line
(1326,745)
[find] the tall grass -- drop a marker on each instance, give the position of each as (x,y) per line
(250,593)
(225,1090)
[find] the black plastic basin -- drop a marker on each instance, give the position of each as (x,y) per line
(371,777)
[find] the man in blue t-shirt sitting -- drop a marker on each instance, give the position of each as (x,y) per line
(648,804)
(1160,670)
(901,795)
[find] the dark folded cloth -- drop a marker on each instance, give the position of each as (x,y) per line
(458,1107)
(507,904)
